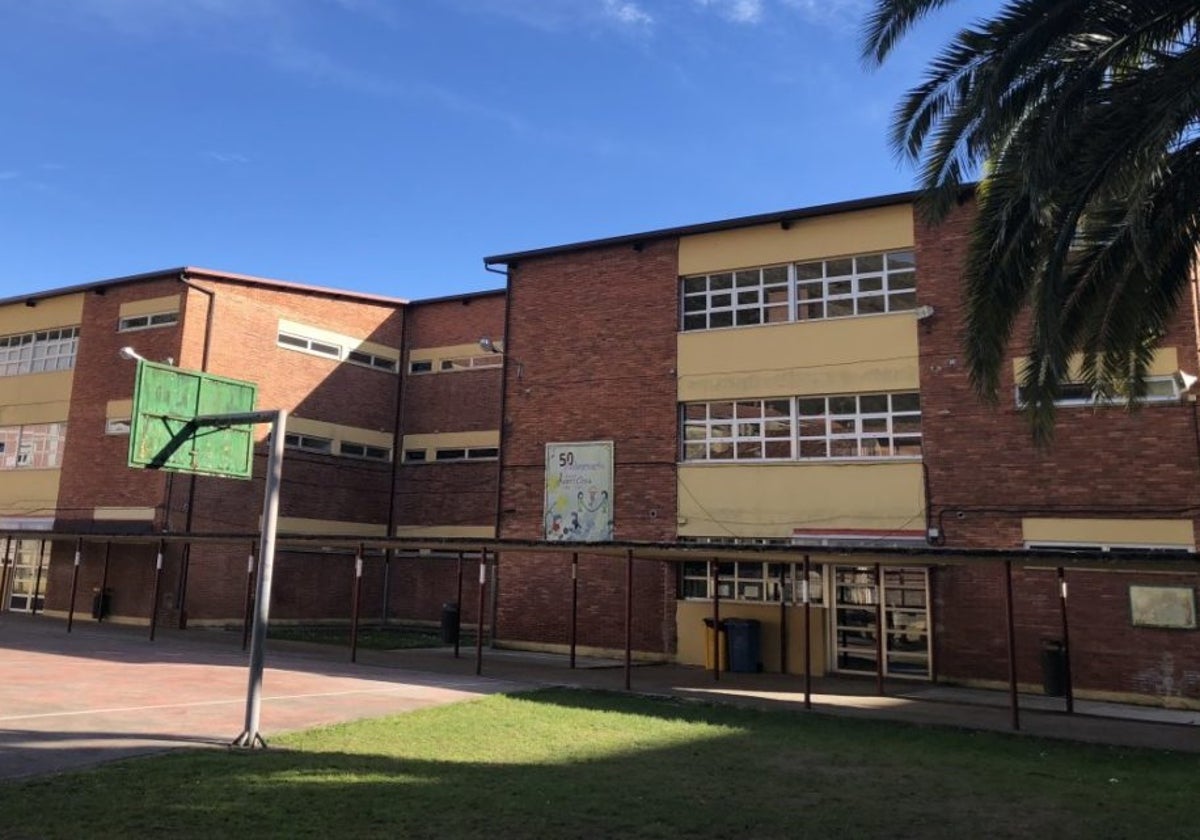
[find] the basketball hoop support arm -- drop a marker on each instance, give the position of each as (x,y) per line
(251,737)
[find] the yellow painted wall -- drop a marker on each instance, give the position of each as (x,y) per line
(126,514)
(29,492)
(451,440)
(771,500)
(346,342)
(436,355)
(64,311)
(339,432)
(871,354)
(150,306)
(460,531)
(1164,363)
(300,525)
(35,398)
(690,633)
(118,409)
(858,232)
(1174,533)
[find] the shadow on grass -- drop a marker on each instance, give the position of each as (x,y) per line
(563,763)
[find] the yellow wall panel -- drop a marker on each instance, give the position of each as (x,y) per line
(1175,533)
(1164,363)
(35,398)
(772,500)
(64,311)
(857,232)
(338,431)
(29,492)
(301,525)
(874,353)
(149,306)
(118,409)
(482,532)
(346,342)
(452,440)
(692,639)
(123,514)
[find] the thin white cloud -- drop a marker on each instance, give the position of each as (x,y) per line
(838,14)
(9,175)
(737,11)
(627,13)
(227,157)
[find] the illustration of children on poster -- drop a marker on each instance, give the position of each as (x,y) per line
(579,492)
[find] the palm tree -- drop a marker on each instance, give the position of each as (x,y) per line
(1083,117)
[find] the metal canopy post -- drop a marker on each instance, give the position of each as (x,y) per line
(1012,647)
(104,582)
(74,585)
(37,580)
(574,603)
(249,598)
(357,602)
(879,631)
(1068,688)
(716,619)
(783,622)
(807,636)
(628,619)
(158,566)
(4,563)
(479,614)
(459,604)
(251,737)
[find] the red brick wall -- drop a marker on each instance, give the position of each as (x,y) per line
(591,349)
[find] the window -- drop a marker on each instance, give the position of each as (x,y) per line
(35,447)
(853,426)
(745,430)
(736,298)
(145,322)
(753,581)
(308,443)
(868,284)
(414,456)
(475,453)
(859,426)
(423,366)
(362,450)
(116,426)
(865,285)
(1158,389)
(472,362)
(38,352)
(311,345)
(371,360)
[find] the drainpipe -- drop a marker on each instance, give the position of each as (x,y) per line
(186,558)
(506,273)
(397,442)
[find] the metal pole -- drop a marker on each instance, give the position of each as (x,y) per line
(1012,646)
(250,736)
(716,619)
(158,564)
(104,582)
(37,579)
(807,636)
(495,599)
(74,585)
(249,598)
(930,605)
(387,578)
(783,622)
(459,604)
(479,614)
(628,619)
(574,604)
(185,562)
(4,564)
(358,569)
(1062,609)
(879,631)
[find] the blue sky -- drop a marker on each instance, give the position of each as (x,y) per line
(387,147)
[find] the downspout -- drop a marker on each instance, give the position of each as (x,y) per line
(507,274)
(397,442)
(186,558)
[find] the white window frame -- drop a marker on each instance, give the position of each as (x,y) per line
(459,364)
(133,323)
(308,443)
(734,430)
(469,453)
(312,346)
(753,581)
(367,451)
(740,298)
(117,425)
(43,351)
(425,365)
(35,446)
(371,360)
(866,432)
(1079,399)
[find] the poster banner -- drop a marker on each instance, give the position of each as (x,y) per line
(579,492)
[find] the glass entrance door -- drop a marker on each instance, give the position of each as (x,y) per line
(904,593)
(27,578)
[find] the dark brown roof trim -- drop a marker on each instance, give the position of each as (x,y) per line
(782,217)
(465,296)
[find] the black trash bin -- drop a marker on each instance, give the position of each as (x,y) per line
(100,602)
(745,645)
(1054,668)
(450,624)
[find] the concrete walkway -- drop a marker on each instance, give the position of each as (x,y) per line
(105,692)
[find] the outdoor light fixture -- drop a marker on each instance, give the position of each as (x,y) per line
(923,312)
(490,346)
(129,354)
(1184,381)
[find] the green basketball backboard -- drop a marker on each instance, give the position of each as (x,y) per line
(162,436)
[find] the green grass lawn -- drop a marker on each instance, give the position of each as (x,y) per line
(560,763)
(390,637)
